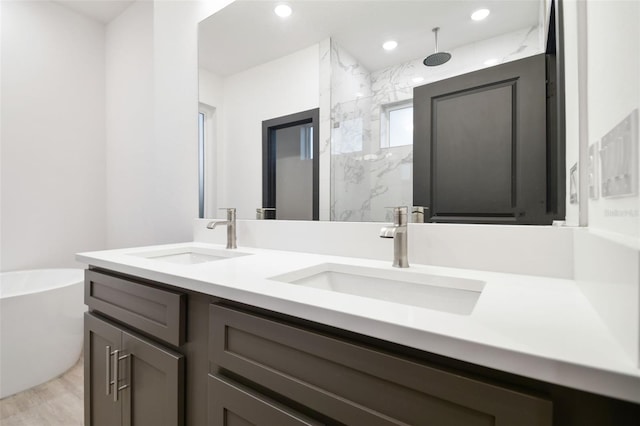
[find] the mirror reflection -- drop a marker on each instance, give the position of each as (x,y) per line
(256,66)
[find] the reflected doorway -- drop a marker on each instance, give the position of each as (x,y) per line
(290,166)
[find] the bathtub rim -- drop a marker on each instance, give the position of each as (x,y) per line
(68,281)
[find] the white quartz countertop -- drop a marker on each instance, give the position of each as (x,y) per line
(537,327)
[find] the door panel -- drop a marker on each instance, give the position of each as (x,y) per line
(480,146)
(294,173)
(463,182)
(155,375)
(100,340)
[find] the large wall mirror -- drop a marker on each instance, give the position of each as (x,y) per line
(256,66)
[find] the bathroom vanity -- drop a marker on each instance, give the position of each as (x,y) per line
(186,335)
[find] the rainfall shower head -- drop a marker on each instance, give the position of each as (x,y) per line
(437,58)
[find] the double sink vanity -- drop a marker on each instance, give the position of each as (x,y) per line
(198,334)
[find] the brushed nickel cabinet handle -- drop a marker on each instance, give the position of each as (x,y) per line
(116,374)
(108,370)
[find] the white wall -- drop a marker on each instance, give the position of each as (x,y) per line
(572,98)
(175,65)
(131,182)
(613,30)
(52,133)
(210,89)
(521,249)
(284,86)
(152,121)
(607,253)
(98,129)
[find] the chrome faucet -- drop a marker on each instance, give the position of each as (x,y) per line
(398,231)
(231,227)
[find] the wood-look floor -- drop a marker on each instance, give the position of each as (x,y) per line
(58,402)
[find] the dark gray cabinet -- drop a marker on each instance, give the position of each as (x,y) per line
(482,150)
(101,339)
(242,365)
(357,385)
(130,380)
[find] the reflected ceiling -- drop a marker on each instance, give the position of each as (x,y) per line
(247,33)
(104,11)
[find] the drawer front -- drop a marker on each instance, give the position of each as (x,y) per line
(160,313)
(231,404)
(357,385)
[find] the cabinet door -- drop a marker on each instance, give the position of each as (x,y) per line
(480,146)
(231,404)
(101,340)
(154,376)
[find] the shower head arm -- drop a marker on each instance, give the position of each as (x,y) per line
(437,58)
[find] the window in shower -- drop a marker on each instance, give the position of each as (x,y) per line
(397,125)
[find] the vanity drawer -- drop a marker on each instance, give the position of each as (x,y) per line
(355,384)
(231,404)
(157,312)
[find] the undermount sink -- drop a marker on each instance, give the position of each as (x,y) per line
(189,255)
(439,292)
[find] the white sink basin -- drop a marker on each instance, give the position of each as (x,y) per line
(443,293)
(189,255)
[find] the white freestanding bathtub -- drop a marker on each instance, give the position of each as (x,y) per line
(40,326)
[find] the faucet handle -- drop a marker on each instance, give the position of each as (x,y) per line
(261,212)
(231,212)
(400,209)
(417,213)
(400,215)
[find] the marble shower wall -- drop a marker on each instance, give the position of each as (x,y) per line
(365,176)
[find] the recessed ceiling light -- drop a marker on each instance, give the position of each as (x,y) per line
(282,10)
(491,61)
(480,14)
(417,79)
(390,45)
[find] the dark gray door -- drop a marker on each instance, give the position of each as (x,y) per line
(290,166)
(155,378)
(294,177)
(101,340)
(480,146)
(129,380)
